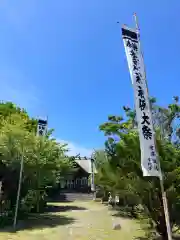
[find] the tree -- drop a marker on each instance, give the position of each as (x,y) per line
(8,108)
(44,158)
(123,150)
(48,164)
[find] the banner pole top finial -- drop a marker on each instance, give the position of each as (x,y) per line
(136,21)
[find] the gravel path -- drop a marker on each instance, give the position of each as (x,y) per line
(75,221)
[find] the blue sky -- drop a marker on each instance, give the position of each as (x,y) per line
(66,59)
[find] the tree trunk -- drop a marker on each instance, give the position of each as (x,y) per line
(161,227)
(133,211)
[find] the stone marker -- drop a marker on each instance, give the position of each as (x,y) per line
(116,226)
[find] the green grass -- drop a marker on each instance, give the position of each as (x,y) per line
(75,221)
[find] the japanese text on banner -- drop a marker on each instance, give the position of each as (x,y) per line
(149,160)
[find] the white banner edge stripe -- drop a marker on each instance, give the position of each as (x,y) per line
(128,28)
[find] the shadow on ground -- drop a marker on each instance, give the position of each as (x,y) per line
(123,213)
(65,208)
(60,197)
(35,221)
(175,237)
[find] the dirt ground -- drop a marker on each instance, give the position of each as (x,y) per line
(75,221)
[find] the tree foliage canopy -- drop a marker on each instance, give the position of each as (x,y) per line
(119,167)
(45,160)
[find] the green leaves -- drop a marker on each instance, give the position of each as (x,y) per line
(44,158)
(120,171)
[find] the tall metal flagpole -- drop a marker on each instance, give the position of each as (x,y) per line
(19,191)
(19,187)
(164,198)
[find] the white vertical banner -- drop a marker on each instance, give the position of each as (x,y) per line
(149,158)
(41,127)
(92,175)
